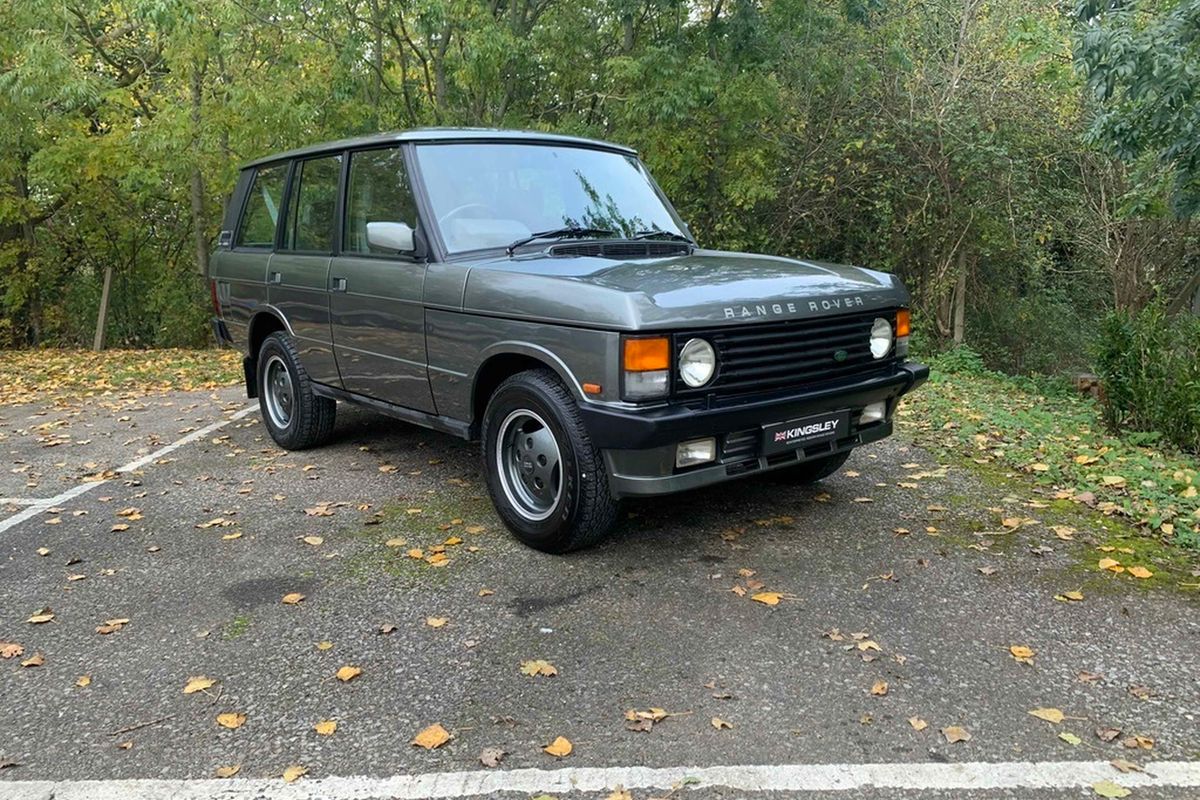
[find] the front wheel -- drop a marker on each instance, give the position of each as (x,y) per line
(813,470)
(547,481)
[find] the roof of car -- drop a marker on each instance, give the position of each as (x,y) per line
(440,135)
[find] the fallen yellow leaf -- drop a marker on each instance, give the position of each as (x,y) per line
(231,719)
(228,772)
(880,688)
(84,681)
(954,733)
(436,622)
(294,773)
(561,747)
(432,737)
(1109,563)
(1052,715)
(325,727)
(917,723)
(292,598)
(720,724)
(1140,572)
(767,598)
(538,667)
(198,684)
(1022,653)
(347,673)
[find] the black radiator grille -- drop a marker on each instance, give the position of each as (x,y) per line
(782,355)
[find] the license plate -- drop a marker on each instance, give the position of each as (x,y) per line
(802,432)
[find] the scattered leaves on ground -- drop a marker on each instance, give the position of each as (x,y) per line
(538,667)
(955,733)
(347,673)
(231,719)
(431,737)
(198,684)
(561,747)
(1052,715)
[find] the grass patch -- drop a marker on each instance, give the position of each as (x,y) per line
(236,627)
(29,376)
(1055,439)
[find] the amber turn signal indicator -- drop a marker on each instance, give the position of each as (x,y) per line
(903,321)
(591,388)
(647,354)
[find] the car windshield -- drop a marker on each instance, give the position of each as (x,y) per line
(491,195)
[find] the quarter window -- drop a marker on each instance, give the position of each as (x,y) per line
(262,208)
(378,191)
(313,209)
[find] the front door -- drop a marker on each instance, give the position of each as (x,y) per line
(375,295)
(298,275)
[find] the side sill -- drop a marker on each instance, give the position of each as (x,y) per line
(441,424)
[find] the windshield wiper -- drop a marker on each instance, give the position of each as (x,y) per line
(569,232)
(671,235)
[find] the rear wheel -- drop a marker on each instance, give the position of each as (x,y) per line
(295,416)
(547,481)
(813,470)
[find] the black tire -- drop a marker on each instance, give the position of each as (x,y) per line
(308,418)
(579,509)
(811,471)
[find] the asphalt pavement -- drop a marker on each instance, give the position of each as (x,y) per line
(899,594)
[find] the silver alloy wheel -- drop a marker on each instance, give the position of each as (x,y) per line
(529,464)
(279,392)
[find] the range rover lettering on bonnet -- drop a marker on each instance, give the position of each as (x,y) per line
(777,309)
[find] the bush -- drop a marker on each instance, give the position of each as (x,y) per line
(1150,367)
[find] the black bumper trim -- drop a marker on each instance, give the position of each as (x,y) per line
(637,430)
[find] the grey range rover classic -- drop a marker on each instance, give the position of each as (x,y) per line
(540,294)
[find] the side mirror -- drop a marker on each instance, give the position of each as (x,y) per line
(395,236)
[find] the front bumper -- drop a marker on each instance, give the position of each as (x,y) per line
(639,446)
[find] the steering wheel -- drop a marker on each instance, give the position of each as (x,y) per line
(454,212)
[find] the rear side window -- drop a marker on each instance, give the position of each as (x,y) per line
(261,212)
(313,208)
(378,191)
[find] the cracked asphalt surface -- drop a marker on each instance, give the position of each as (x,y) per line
(650,618)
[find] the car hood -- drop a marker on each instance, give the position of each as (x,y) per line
(703,289)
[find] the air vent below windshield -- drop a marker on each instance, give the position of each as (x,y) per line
(621,249)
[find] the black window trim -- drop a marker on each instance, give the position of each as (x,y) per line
(241,218)
(344,199)
(295,170)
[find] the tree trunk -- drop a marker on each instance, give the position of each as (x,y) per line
(197,179)
(102,315)
(960,299)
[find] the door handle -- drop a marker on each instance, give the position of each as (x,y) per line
(339,285)
(276,277)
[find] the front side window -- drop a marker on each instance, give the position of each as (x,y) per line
(261,211)
(378,191)
(489,195)
(313,207)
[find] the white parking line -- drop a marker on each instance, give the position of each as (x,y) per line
(801,778)
(35,507)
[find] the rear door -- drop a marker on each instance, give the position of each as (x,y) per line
(375,299)
(298,275)
(241,272)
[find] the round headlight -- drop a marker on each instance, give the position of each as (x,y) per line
(697,362)
(881,337)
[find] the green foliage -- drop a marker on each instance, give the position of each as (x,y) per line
(960,360)
(1056,438)
(1140,61)
(1150,368)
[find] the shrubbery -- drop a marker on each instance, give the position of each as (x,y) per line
(1150,367)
